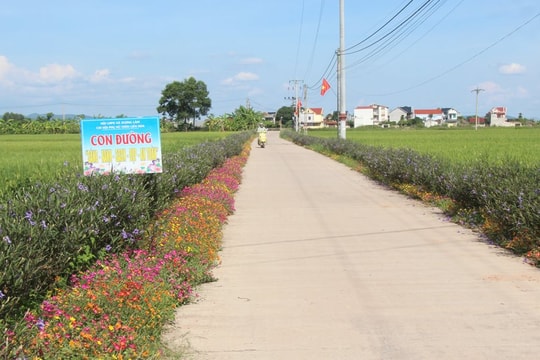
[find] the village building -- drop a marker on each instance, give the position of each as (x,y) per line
(370,115)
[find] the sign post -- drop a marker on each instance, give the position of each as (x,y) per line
(121,146)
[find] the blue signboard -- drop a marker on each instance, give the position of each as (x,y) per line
(121,145)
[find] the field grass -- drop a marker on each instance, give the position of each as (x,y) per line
(31,157)
(492,145)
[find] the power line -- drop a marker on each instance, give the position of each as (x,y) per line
(396,28)
(467,60)
(312,56)
(299,38)
(407,29)
(380,28)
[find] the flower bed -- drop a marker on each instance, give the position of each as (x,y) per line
(117,308)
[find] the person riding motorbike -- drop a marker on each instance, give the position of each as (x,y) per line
(261,130)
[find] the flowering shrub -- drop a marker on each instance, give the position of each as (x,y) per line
(118,306)
(49,230)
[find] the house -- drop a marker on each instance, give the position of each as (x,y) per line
(477,122)
(270,116)
(400,113)
(312,118)
(450,116)
(497,117)
(430,117)
(370,115)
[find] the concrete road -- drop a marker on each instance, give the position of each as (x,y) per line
(319,262)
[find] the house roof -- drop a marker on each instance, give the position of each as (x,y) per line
(407,109)
(372,106)
(481,120)
(318,111)
(499,110)
(427,111)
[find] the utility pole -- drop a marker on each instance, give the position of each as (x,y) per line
(477,90)
(296,84)
(341,73)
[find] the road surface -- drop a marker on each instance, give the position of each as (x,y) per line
(320,262)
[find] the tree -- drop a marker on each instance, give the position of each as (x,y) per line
(246,118)
(12,116)
(184,101)
(285,115)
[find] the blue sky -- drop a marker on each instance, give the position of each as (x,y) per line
(104,57)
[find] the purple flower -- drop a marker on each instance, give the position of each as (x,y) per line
(108,248)
(7,240)
(40,324)
(2,295)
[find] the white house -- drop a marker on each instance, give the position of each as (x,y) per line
(497,117)
(370,115)
(431,117)
(312,118)
(450,116)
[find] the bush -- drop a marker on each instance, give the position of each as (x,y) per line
(50,230)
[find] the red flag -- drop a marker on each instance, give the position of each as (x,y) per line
(325,86)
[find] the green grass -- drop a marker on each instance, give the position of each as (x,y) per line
(492,145)
(31,157)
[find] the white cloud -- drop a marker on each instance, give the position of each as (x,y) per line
(490,86)
(100,75)
(512,68)
(5,66)
(56,72)
(241,76)
(251,60)
(246,76)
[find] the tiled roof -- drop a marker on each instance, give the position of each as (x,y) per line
(427,111)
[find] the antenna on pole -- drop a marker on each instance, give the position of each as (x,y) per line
(477,90)
(342,112)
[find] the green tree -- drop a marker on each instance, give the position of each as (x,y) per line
(184,101)
(12,116)
(285,115)
(245,119)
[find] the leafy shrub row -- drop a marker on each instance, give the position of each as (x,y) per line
(51,230)
(504,200)
(118,307)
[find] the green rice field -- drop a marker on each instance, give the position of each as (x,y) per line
(31,157)
(491,145)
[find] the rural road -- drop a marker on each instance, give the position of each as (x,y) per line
(320,262)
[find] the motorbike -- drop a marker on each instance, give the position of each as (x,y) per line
(262,139)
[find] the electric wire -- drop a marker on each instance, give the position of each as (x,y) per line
(396,28)
(380,28)
(299,39)
(312,56)
(446,15)
(407,30)
(466,60)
